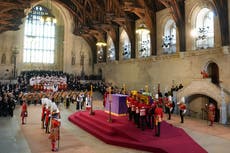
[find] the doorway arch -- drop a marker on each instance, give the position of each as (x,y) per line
(197,106)
(213,72)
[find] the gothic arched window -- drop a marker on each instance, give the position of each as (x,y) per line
(110,49)
(143,41)
(169,37)
(125,45)
(204,30)
(39,37)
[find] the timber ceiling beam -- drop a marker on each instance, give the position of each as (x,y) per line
(221,7)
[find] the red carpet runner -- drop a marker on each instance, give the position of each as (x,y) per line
(122,132)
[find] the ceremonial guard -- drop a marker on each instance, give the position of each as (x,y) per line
(55,131)
(158,116)
(182,108)
(128,102)
(47,121)
(133,108)
(24,112)
(211,113)
(150,114)
(168,106)
(143,118)
(43,116)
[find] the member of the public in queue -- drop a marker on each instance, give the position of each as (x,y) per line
(55,131)
(182,108)
(88,101)
(158,117)
(168,106)
(211,113)
(11,106)
(24,112)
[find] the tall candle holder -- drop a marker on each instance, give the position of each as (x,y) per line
(91,101)
(110,103)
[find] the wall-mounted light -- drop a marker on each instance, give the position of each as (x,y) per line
(101,44)
(142,29)
(100,51)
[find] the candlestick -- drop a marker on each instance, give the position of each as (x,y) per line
(110,101)
(91,91)
(146,88)
(91,100)
(124,88)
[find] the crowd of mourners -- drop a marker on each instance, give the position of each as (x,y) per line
(77,88)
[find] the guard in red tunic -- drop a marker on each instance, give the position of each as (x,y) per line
(150,114)
(128,102)
(47,121)
(55,131)
(168,106)
(137,113)
(211,113)
(182,108)
(158,116)
(43,116)
(143,118)
(24,112)
(133,108)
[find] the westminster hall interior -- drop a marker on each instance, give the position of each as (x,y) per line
(88,57)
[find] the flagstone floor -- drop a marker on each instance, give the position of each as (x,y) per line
(30,138)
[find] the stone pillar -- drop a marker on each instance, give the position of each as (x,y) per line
(223,109)
(225,49)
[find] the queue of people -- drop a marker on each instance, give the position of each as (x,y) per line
(51,121)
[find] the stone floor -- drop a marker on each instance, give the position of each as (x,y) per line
(30,138)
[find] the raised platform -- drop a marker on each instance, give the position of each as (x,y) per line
(123,133)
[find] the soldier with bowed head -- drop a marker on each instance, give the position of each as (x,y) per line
(182,108)
(168,106)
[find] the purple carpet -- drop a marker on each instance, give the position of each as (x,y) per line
(122,132)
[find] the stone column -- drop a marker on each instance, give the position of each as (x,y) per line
(223,109)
